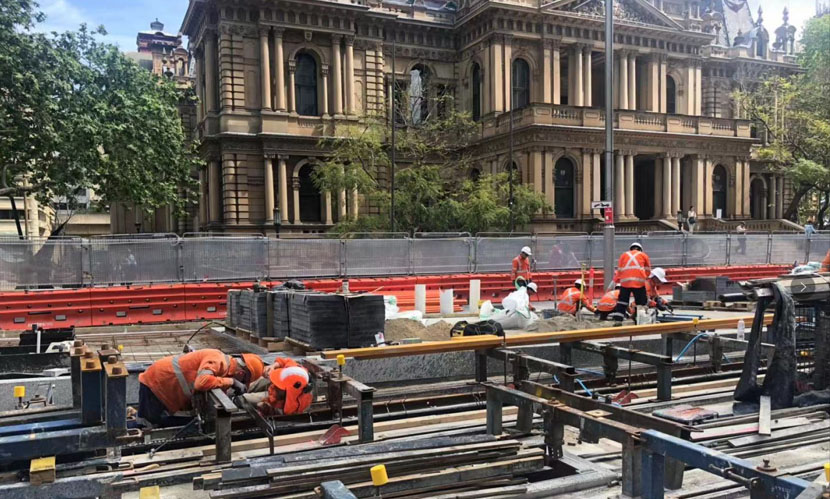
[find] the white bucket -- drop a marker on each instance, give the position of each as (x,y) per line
(447,301)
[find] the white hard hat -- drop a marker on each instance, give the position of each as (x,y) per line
(526,251)
(533,286)
(660,274)
(636,245)
(578,282)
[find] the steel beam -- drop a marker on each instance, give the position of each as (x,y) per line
(222,409)
(23,447)
(116,401)
(663,363)
(524,364)
(92,390)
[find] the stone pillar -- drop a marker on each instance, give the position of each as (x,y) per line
(664,70)
(215,190)
(632,81)
(619,185)
(508,72)
(596,178)
(538,160)
(550,188)
(675,184)
(269,188)
(708,208)
(337,74)
(578,86)
(203,198)
(772,211)
(780,184)
(342,201)
(198,64)
(497,73)
(350,75)
(623,88)
(265,68)
(279,70)
(283,181)
(657,209)
(211,77)
(698,185)
(557,72)
(328,215)
(653,98)
(691,91)
(587,77)
(698,88)
(587,181)
(295,184)
(629,184)
(547,72)
(324,71)
(668,191)
(355,204)
(292,102)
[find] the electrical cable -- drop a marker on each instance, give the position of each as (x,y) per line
(590,393)
(200,329)
(692,342)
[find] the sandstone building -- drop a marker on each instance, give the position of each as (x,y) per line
(274,76)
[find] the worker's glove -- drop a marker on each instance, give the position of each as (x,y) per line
(239,387)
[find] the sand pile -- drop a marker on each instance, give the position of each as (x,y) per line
(564,323)
(400,329)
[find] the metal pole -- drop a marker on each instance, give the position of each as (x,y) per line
(608,230)
(394,126)
(17,217)
(510,165)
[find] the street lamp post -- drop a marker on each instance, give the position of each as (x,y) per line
(608,229)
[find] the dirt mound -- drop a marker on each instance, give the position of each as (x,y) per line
(400,329)
(563,323)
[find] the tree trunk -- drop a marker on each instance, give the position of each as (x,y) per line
(792,209)
(825,203)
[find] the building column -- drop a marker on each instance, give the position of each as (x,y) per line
(653,84)
(698,185)
(579,85)
(538,160)
(632,81)
(214,191)
(198,64)
(557,72)
(279,70)
(295,184)
(265,68)
(619,185)
(780,184)
(772,211)
(355,204)
(550,180)
(269,189)
(292,102)
(623,88)
(698,88)
(657,209)
(337,74)
(283,181)
(668,176)
(629,184)
(586,77)
(587,182)
(203,199)
(708,188)
(691,92)
(350,75)
(508,72)
(675,184)
(328,214)
(324,71)
(342,201)
(211,77)
(497,79)
(547,72)
(664,71)
(596,177)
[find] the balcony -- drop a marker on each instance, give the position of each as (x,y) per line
(550,114)
(273,122)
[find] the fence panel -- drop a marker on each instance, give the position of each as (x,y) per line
(562,252)
(441,256)
(41,262)
(122,261)
(819,246)
(370,257)
(496,254)
(289,258)
(621,244)
(665,250)
(748,249)
(224,258)
(788,248)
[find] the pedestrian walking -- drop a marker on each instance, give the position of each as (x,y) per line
(691,218)
(809,228)
(741,231)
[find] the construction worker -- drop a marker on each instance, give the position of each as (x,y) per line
(608,303)
(571,299)
(633,270)
(521,265)
(655,278)
(825,264)
(167,386)
(286,389)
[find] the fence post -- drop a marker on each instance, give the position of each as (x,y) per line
(410,249)
(344,268)
(87,245)
(590,250)
(728,249)
(808,246)
(769,248)
(180,258)
(470,256)
(475,254)
(684,261)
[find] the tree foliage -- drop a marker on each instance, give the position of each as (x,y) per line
(794,114)
(433,190)
(75,112)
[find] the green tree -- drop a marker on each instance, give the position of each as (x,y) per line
(434,150)
(794,114)
(75,112)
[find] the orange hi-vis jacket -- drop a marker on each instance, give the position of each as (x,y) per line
(521,268)
(289,391)
(569,301)
(633,269)
(174,379)
(609,302)
(825,264)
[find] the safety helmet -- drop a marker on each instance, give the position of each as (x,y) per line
(252,363)
(295,382)
(533,287)
(526,251)
(659,274)
(578,282)
(636,246)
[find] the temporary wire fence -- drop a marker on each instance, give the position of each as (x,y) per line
(167,258)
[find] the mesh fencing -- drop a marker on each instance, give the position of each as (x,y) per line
(707,250)
(41,262)
(563,252)
(368,257)
(665,250)
(119,261)
(749,249)
(788,248)
(819,247)
(441,256)
(495,254)
(224,258)
(288,258)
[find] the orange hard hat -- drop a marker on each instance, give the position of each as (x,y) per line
(295,382)
(254,365)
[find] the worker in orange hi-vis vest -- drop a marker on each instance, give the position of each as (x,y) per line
(608,303)
(521,265)
(572,298)
(633,270)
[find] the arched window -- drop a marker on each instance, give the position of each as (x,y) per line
(563,177)
(521,84)
(517,173)
(475,174)
(418,94)
(762,42)
(476,92)
(305,85)
(309,196)
(671,95)
(719,183)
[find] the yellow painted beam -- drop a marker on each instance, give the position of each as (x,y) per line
(490,341)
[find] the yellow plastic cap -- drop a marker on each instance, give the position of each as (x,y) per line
(19,392)
(120,348)
(341,360)
(695,321)
(153,492)
(827,471)
(379,477)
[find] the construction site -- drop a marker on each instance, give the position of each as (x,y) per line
(448,366)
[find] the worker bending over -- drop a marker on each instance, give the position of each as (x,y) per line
(655,278)
(285,390)
(571,299)
(608,304)
(633,270)
(167,386)
(521,265)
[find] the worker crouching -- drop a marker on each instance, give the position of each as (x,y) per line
(572,298)
(285,390)
(168,385)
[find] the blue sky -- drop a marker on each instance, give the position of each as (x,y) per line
(124,18)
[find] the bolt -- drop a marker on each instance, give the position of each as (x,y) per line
(88,355)
(105,347)
(117,370)
(112,359)
(90,364)
(79,343)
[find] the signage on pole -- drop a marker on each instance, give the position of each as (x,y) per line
(609,214)
(600,205)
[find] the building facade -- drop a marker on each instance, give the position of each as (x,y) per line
(274,77)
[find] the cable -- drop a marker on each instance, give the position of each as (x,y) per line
(597,373)
(200,329)
(590,393)
(689,345)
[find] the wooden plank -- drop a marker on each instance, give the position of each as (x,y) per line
(764,416)
(490,341)
(732,431)
(780,434)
